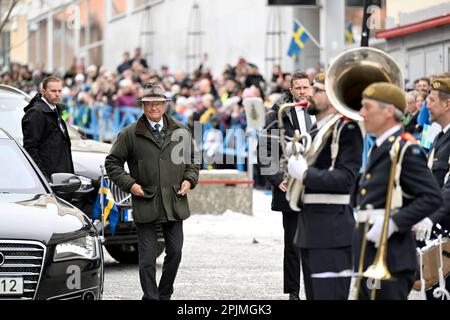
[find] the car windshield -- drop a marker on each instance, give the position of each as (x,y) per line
(11,114)
(16,173)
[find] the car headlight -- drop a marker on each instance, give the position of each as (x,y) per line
(86,185)
(81,248)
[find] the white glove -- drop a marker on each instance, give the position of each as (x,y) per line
(374,234)
(423,229)
(297,167)
(289,148)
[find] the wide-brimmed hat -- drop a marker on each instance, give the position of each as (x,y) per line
(153,93)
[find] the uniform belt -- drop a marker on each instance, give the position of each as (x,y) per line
(323,198)
(362,216)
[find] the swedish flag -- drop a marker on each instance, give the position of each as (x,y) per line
(349,33)
(110,207)
(299,37)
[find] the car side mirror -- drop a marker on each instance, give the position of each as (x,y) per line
(65,183)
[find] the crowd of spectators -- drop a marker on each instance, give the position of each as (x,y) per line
(199,96)
(416,117)
(213,101)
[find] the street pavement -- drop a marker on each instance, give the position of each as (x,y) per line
(225,257)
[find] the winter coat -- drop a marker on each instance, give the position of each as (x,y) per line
(156,167)
(44,139)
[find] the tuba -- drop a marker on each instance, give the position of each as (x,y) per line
(352,72)
(348,76)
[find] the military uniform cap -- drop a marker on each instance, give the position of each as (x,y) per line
(386,92)
(320,78)
(441,84)
(153,93)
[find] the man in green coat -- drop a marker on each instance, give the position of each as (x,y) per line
(163,167)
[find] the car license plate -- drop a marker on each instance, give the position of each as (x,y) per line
(11,286)
(129,215)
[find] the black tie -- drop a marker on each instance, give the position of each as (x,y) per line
(157,133)
(295,120)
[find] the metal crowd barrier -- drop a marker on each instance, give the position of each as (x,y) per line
(103,123)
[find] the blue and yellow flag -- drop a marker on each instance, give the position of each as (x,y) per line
(349,39)
(299,37)
(111,210)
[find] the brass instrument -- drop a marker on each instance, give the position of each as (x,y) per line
(347,77)
(378,270)
(352,72)
(300,145)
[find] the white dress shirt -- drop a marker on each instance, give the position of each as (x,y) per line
(381,139)
(161,123)
(53,107)
(301,119)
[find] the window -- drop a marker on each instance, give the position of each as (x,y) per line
(139,3)
(84,23)
(95,55)
(16,173)
(32,57)
(118,7)
(58,38)
(11,114)
(42,43)
(96,20)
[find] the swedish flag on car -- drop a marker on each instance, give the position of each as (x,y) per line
(299,37)
(110,209)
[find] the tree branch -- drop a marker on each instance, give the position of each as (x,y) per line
(15,2)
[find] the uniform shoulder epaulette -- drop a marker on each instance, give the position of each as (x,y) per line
(408,137)
(345,119)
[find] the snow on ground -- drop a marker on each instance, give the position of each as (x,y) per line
(263,223)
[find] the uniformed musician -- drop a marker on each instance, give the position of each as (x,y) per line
(326,222)
(416,193)
(438,104)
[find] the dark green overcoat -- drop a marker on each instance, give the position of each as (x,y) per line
(160,168)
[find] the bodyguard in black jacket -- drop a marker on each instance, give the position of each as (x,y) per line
(416,194)
(293,119)
(45,135)
(326,221)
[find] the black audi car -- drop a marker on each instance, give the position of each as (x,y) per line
(49,249)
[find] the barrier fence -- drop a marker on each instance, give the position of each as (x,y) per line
(103,122)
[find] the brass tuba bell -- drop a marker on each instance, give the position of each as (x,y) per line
(353,71)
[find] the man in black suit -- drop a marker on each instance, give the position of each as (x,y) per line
(293,119)
(416,193)
(326,221)
(45,134)
(438,104)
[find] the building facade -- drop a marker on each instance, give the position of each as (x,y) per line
(420,41)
